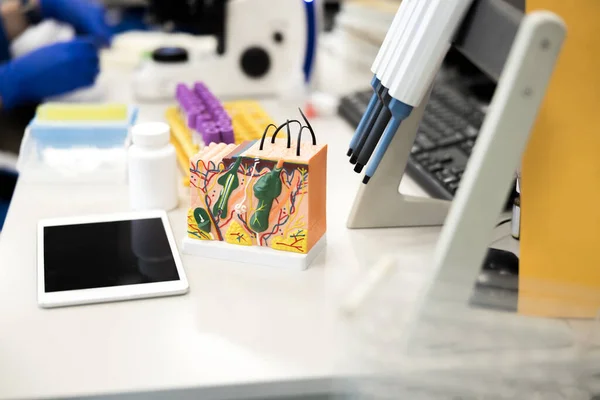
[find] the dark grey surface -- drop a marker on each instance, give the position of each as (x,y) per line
(324,397)
(318,389)
(192,395)
(519,4)
(12,127)
(488,32)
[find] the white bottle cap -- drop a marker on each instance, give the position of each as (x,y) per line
(150,134)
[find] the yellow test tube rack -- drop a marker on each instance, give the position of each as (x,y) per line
(248,119)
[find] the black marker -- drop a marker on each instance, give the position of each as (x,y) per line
(375,136)
(381,94)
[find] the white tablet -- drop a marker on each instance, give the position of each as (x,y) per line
(112,257)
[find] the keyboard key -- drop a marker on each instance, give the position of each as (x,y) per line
(448,132)
(450,179)
(422,156)
(435,167)
(434,123)
(476,118)
(446,173)
(423,142)
(427,162)
(432,134)
(450,140)
(445,113)
(445,158)
(425,159)
(453,187)
(415,149)
(457,123)
(467,146)
(471,132)
(435,105)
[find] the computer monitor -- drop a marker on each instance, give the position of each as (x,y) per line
(487,34)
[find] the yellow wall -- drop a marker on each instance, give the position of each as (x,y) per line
(560,232)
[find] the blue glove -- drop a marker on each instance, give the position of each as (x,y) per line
(50,71)
(86,16)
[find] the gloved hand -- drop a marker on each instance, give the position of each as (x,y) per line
(85,16)
(49,71)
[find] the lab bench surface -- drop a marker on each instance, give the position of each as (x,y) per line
(243,331)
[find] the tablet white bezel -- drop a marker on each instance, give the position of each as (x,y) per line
(115,293)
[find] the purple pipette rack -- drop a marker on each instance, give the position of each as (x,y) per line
(204,113)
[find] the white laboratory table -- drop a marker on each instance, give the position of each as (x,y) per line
(243,331)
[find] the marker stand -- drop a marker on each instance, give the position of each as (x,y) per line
(380,204)
(486,38)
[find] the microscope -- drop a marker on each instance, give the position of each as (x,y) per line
(241,48)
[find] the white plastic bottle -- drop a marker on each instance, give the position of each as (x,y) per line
(152,165)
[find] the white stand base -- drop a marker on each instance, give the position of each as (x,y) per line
(252,254)
(380,205)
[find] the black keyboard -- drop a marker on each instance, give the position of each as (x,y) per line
(444,141)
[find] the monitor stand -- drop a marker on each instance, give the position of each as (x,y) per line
(465,237)
(428,333)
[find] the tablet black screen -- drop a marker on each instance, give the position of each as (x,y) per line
(105,254)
